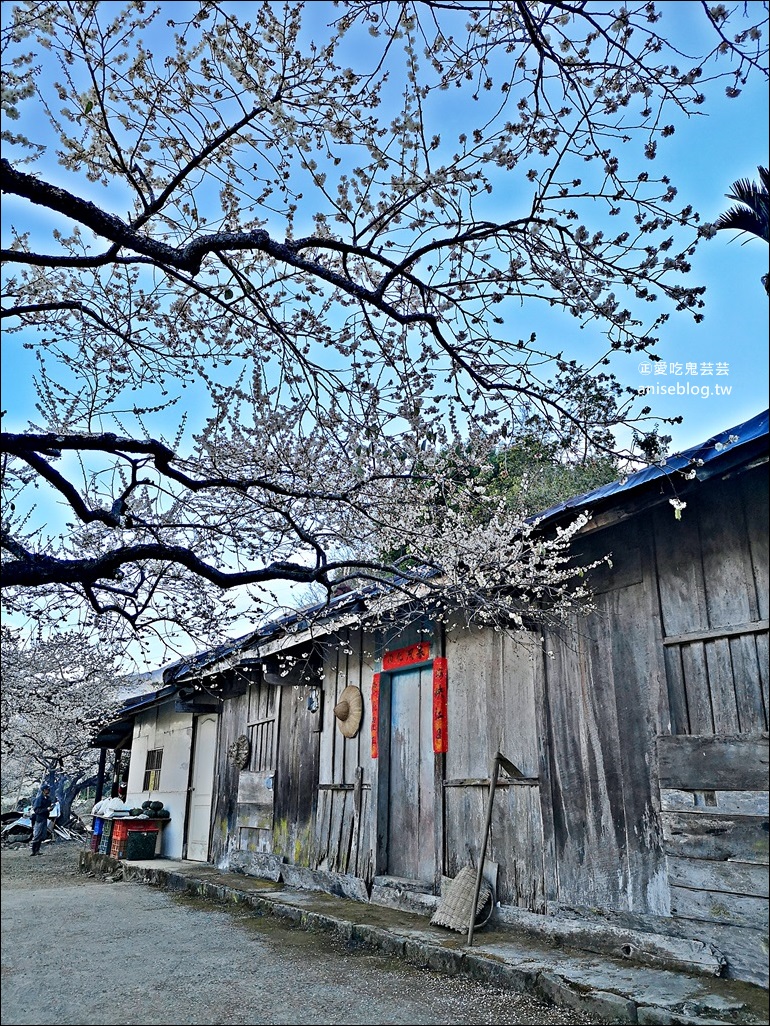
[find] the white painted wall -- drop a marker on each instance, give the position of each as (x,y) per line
(172,731)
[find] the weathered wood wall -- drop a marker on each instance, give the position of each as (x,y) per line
(602,712)
(715,822)
(713,589)
(303,798)
(345,833)
(677,645)
(242,816)
(224,813)
(492,696)
(712,571)
(607,817)
(296,776)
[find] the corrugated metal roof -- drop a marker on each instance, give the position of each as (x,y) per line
(726,447)
(294,620)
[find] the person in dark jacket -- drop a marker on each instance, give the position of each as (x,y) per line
(41,806)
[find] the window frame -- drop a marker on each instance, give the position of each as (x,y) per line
(152,767)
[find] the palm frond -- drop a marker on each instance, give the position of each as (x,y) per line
(744,190)
(741,219)
(754,214)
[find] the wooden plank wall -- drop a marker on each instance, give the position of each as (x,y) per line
(225,835)
(345,827)
(492,707)
(713,588)
(713,585)
(258,711)
(296,776)
(715,820)
(602,714)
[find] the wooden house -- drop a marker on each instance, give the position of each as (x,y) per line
(639,804)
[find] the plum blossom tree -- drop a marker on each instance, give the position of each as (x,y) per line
(55,695)
(283,276)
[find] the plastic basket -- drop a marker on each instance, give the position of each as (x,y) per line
(119,831)
(141,845)
(105,838)
(123,827)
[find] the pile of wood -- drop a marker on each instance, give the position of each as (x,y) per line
(75,830)
(17,829)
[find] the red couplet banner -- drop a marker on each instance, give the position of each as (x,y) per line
(375,707)
(440,737)
(399,657)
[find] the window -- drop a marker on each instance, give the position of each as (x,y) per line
(261,725)
(152,770)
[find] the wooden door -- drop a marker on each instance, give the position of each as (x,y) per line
(201,788)
(411,783)
(296,777)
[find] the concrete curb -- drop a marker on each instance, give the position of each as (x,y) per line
(475,966)
(544,983)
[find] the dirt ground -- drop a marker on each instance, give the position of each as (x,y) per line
(94,950)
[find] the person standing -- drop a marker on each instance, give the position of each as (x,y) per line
(41,807)
(53,815)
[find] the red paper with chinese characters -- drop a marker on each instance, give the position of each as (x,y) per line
(406,656)
(440,737)
(375,707)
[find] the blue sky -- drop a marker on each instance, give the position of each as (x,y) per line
(728,143)
(714,374)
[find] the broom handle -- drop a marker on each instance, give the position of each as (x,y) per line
(480,871)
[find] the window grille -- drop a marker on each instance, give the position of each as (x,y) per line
(152,770)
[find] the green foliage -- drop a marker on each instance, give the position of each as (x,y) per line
(534,474)
(653,445)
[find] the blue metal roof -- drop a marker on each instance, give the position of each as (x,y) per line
(298,620)
(727,446)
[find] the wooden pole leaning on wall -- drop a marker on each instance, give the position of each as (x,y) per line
(498,761)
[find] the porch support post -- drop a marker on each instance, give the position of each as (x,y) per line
(100,775)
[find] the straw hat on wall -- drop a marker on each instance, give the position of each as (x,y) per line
(348,711)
